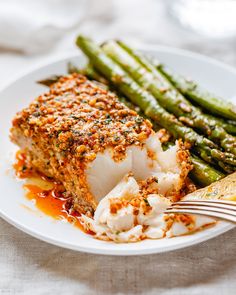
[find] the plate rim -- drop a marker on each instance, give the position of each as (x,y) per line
(142,47)
(215,231)
(115,252)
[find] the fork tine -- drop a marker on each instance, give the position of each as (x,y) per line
(207,208)
(205,212)
(206,204)
(211,201)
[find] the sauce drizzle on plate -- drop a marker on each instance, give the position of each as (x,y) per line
(47,194)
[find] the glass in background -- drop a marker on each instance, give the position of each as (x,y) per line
(212,18)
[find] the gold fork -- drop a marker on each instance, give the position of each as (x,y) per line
(222,209)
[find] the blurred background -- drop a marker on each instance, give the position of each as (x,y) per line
(32,30)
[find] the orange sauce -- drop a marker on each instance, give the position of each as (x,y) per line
(52,203)
(47,194)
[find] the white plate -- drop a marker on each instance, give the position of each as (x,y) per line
(213,75)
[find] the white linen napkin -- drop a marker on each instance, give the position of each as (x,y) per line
(34,26)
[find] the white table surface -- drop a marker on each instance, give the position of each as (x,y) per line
(30,266)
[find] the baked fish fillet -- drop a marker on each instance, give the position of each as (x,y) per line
(82,136)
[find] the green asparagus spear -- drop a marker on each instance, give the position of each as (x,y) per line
(178,81)
(169,98)
(148,104)
(202,173)
(229,125)
(92,74)
(209,101)
(201,97)
(194,92)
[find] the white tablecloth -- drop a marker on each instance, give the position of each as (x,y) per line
(29,266)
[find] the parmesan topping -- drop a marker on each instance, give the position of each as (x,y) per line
(83,119)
